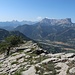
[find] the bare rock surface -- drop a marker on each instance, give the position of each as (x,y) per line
(28,62)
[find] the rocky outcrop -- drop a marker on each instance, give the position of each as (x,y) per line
(30,71)
(28,62)
(40,51)
(72,70)
(56,21)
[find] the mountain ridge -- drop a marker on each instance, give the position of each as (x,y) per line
(48,29)
(4,33)
(10,25)
(56,21)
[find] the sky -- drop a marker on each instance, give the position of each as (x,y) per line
(34,10)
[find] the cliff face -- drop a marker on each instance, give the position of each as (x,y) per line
(56,21)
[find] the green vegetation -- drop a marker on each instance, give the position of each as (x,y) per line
(3,74)
(9,42)
(3,47)
(13,40)
(17,73)
(49,67)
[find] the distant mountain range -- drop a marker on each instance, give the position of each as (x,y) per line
(10,25)
(46,29)
(50,29)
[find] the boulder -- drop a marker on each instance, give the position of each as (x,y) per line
(38,52)
(30,71)
(72,70)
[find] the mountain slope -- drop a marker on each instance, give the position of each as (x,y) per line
(50,29)
(5,33)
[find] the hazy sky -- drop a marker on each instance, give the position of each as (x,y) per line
(36,9)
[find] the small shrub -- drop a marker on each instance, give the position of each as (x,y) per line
(17,73)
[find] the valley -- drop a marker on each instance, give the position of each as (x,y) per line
(61,46)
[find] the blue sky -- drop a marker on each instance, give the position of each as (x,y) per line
(36,9)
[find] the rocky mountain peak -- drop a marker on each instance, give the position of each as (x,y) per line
(56,21)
